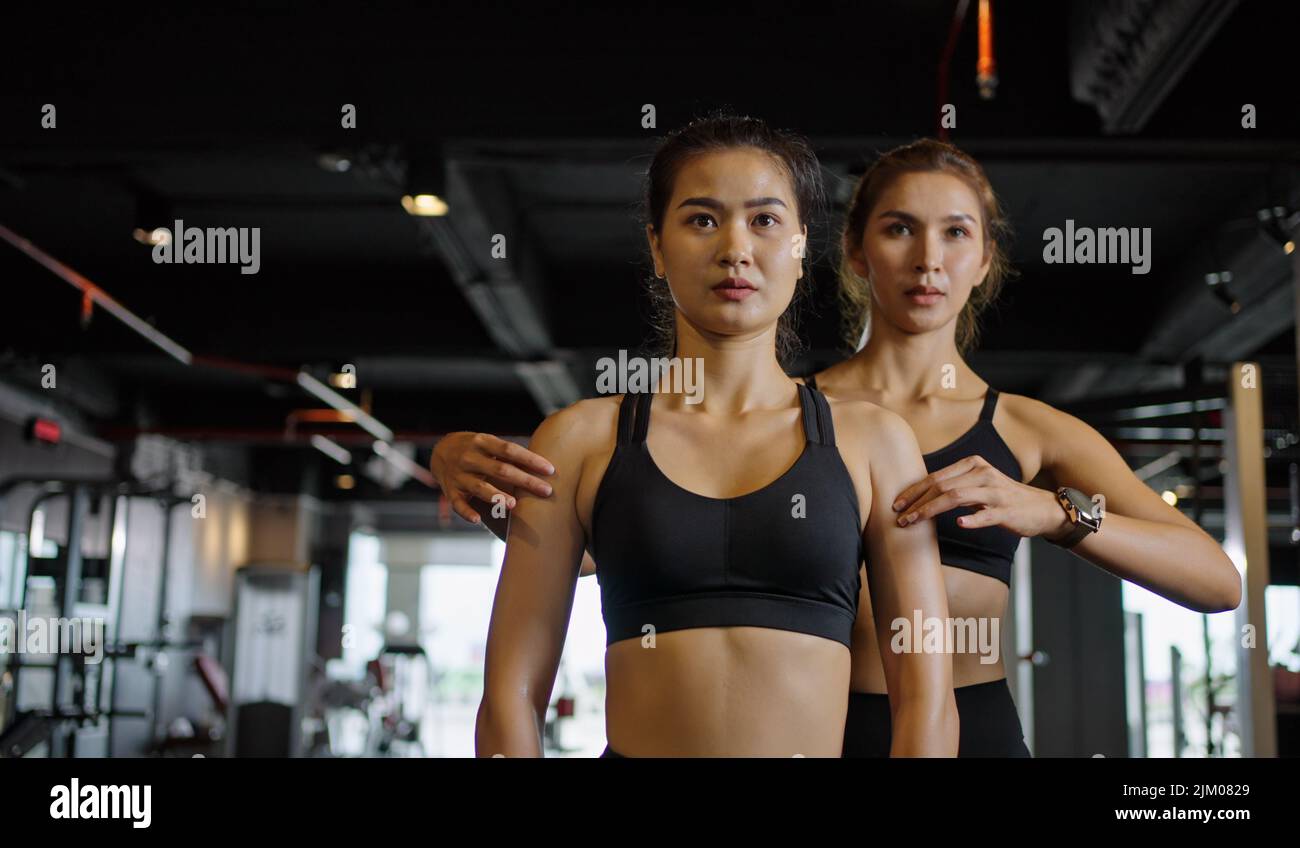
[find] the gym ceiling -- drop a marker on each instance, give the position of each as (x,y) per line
(532,126)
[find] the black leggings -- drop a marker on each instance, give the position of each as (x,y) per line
(990,725)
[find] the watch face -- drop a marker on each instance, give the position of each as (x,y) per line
(1084,508)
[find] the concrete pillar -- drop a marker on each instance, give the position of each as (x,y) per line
(1246,542)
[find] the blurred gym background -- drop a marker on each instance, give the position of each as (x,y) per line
(229,470)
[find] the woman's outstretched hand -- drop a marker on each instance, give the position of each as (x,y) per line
(1024,510)
(481,466)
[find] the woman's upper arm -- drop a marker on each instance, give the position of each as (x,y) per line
(535,592)
(1076,455)
(903,570)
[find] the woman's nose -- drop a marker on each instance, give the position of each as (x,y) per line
(736,248)
(929,255)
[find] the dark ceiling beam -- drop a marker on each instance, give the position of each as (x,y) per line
(1126,56)
(1198,324)
(1243,333)
(832,149)
(506,292)
(508,305)
(1089,379)
(1073,381)
(83,388)
(550,382)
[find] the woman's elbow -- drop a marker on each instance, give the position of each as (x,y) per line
(950,725)
(927,725)
(485,731)
(493,727)
(1216,583)
(1226,585)
(508,724)
(947,727)
(1230,593)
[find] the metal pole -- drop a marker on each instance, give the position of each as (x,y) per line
(1176,690)
(1197,511)
(117,579)
(77,502)
(161,632)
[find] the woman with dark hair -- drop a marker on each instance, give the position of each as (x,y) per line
(729,528)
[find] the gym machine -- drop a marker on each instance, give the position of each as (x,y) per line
(271,652)
(82,588)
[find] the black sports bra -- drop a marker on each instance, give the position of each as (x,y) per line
(985,550)
(785,556)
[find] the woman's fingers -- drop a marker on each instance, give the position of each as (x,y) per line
(462,508)
(976,495)
(516,454)
(967,480)
(908,496)
(503,473)
(921,498)
(984,518)
(486,492)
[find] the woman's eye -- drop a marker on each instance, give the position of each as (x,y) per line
(958,231)
(765,220)
(898,227)
(700,220)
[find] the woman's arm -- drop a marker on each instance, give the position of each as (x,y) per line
(534,597)
(905,582)
(1142,538)
(473,468)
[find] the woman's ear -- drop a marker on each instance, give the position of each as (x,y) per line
(984,267)
(803,250)
(652,238)
(855,258)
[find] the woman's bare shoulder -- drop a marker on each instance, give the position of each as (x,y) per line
(579,429)
(865,429)
(1041,418)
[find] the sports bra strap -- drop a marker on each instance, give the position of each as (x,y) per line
(817,425)
(642,425)
(808,409)
(626,415)
(990,401)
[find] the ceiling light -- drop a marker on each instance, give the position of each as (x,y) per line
(424,205)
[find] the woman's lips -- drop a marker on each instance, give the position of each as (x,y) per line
(734,288)
(924,295)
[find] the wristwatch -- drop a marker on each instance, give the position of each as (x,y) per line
(1083,513)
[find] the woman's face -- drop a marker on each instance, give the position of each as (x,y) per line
(922,250)
(730,244)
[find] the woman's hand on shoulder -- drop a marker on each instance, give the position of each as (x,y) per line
(481,466)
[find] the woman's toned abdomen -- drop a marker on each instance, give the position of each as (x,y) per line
(727,691)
